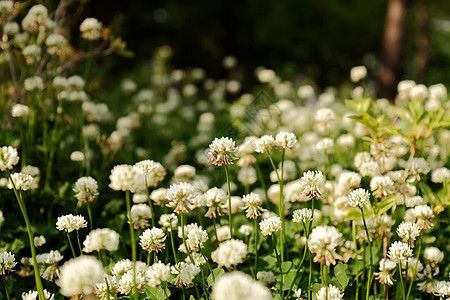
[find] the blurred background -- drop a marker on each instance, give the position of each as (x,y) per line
(317,41)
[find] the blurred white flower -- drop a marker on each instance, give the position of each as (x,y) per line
(8,157)
(101,238)
(91,29)
(358,73)
(86,189)
(238,285)
(230,253)
(329,292)
(157,274)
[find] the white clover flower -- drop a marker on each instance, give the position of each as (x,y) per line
(230,253)
(145,167)
(323,241)
(417,166)
(302,215)
(381,186)
(153,239)
(247,176)
(195,238)
(22,182)
(140,213)
(7,262)
(264,143)
(418,92)
(185,273)
(238,285)
(399,252)
(8,157)
(101,238)
(369,168)
(358,197)
(20,110)
(346,141)
(91,29)
(408,231)
(11,28)
(385,275)
(412,262)
(329,292)
(433,256)
(180,196)
(223,233)
(215,201)
(156,175)
(423,215)
(360,158)
(358,73)
(266,278)
(437,91)
(222,151)
(413,201)
(77,156)
(107,287)
(442,289)
(285,140)
(86,189)
(31,53)
(324,115)
(121,267)
(70,223)
(184,172)
(305,92)
(79,276)
(168,221)
(39,240)
(440,174)
(33,295)
(312,179)
(253,205)
(298,293)
(245,229)
(270,225)
(33,83)
(326,145)
(157,274)
(126,282)
(125,178)
(55,43)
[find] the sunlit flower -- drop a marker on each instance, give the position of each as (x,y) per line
(70,223)
(8,157)
(399,252)
(252,205)
(185,273)
(264,143)
(230,253)
(238,285)
(215,201)
(7,262)
(21,181)
(385,275)
(168,221)
(312,179)
(153,239)
(358,197)
(180,196)
(157,274)
(358,73)
(91,29)
(433,256)
(270,225)
(285,140)
(86,189)
(101,238)
(323,240)
(222,151)
(408,231)
(423,215)
(140,214)
(329,292)
(302,215)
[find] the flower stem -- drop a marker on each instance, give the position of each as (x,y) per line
(184,238)
(6,288)
(79,243)
(280,264)
(71,246)
(301,262)
(369,275)
(356,259)
(261,180)
(415,267)
(215,231)
(401,280)
(255,229)
(149,202)
(133,242)
(229,202)
(90,215)
(173,247)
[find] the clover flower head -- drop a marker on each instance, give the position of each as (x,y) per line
(408,231)
(230,253)
(302,215)
(222,151)
(153,239)
(329,292)
(7,262)
(180,196)
(264,143)
(358,197)
(285,140)
(252,205)
(70,223)
(86,189)
(8,157)
(399,252)
(270,225)
(312,179)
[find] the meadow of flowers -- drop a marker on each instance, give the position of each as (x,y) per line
(189,188)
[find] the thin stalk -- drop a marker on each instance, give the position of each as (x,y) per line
(184,238)
(207,263)
(300,265)
(356,259)
(255,229)
(312,217)
(6,288)
(261,180)
(229,202)
(369,275)
(71,246)
(401,280)
(173,247)
(149,202)
(133,242)
(91,225)
(415,268)
(279,263)
(79,243)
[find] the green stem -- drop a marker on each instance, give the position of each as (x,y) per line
(133,242)
(207,263)
(91,225)
(261,180)
(149,202)
(229,202)
(356,259)
(71,246)
(255,229)
(215,231)
(369,275)
(401,280)
(184,238)
(300,265)
(279,263)
(173,247)
(6,288)
(79,243)
(415,268)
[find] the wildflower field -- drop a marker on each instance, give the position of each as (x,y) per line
(187,187)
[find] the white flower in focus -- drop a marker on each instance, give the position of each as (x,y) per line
(323,241)
(153,239)
(101,238)
(121,267)
(238,286)
(168,221)
(80,275)
(408,231)
(33,295)
(215,201)
(252,205)
(230,253)
(329,292)
(157,274)
(125,178)
(385,275)
(222,151)
(91,29)
(285,140)
(125,283)
(440,174)
(312,179)
(20,110)
(358,73)
(8,157)
(23,182)
(302,215)
(180,196)
(358,197)
(270,225)
(185,273)
(266,142)
(442,289)
(70,223)
(423,215)
(7,262)
(86,189)
(195,239)
(399,252)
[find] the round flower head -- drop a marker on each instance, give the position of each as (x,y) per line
(195,238)
(157,274)
(86,189)
(245,229)
(266,278)
(285,140)
(323,241)
(101,238)
(399,252)
(358,73)
(180,196)
(221,151)
(184,173)
(79,276)
(417,166)
(237,286)
(153,239)
(270,225)
(423,215)
(145,167)
(168,221)
(91,29)
(381,186)
(140,214)
(252,205)
(329,292)
(442,289)
(156,175)
(230,253)
(302,215)
(70,223)
(185,273)
(33,295)
(20,110)
(215,201)
(385,275)
(266,142)
(312,179)
(7,262)
(408,231)
(433,256)
(21,181)
(440,174)
(358,197)
(126,282)
(125,178)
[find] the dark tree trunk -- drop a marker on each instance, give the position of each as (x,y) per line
(422,42)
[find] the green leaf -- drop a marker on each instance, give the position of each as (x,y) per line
(287,266)
(217,272)
(268,263)
(315,288)
(157,293)
(353,214)
(386,204)
(340,271)
(289,278)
